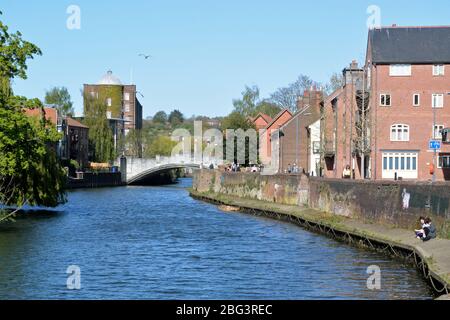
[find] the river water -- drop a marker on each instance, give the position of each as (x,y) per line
(158,243)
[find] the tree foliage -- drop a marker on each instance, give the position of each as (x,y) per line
(133,142)
(60,98)
(236,120)
(176,118)
(248,103)
(286,97)
(100,135)
(336,81)
(29,170)
(160,117)
(160,145)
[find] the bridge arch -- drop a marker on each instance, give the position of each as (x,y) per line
(140,168)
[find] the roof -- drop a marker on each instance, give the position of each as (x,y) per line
(310,117)
(264,116)
(74,123)
(51,114)
(278,116)
(109,79)
(409,45)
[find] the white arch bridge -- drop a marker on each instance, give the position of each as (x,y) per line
(137,169)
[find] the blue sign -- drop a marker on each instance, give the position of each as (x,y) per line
(435,145)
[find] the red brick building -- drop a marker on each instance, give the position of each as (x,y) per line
(340,126)
(266,137)
(296,145)
(261,121)
(408,77)
(382,120)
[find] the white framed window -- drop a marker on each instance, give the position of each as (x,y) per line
(127,107)
(443,161)
(404,163)
(385,100)
(126,96)
(437,131)
(400,70)
(109,102)
(108,115)
(437,100)
(438,70)
(399,132)
(416,100)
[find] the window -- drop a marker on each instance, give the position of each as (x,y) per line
(385,100)
(437,100)
(444,161)
(438,70)
(108,115)
(109,102)
(437,132)
(416,100)
(399,132)
(316,147)
(127,107)
(404,163)
(400,70)
(126,96)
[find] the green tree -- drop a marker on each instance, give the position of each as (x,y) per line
(60,98)
(161,145)
(268,108)
(176,118)
(247,105)
(160,117)
(29,170)
(100,134)
(236,120)
(133,143)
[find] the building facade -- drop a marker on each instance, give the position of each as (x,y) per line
(408,77)
(261,121)
(123,109)
(341,126)
(266,134)
(299,133)
(390,112)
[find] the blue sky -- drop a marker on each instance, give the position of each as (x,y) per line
(204,52)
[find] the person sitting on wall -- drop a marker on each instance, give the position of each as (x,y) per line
(420,232)
(429,232)
(347,173)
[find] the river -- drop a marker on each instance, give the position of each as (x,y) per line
(158,243)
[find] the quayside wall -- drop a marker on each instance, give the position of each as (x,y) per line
(396,203)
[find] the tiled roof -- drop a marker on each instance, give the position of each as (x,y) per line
(74,123)
(51,114)
(410,45)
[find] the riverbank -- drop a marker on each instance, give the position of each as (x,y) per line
(431,258)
